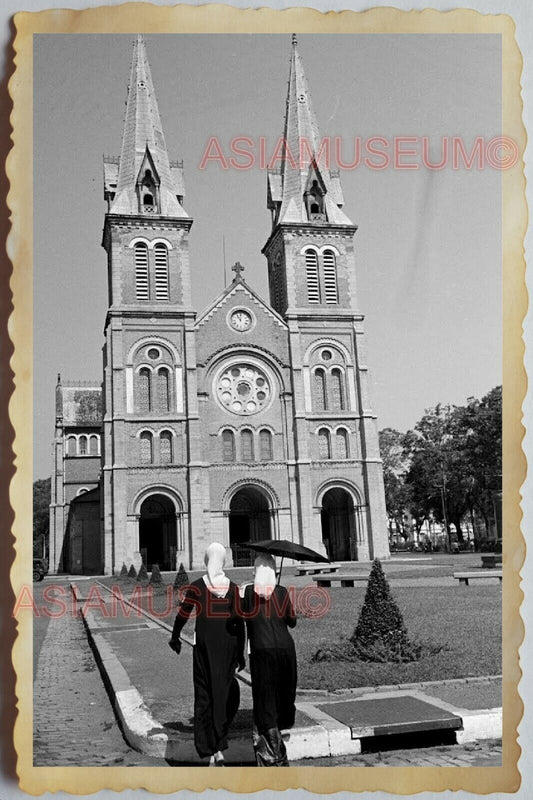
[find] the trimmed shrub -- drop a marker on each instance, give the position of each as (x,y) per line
(142,574)
(381,634)
(181,579)
(155,577)
(124,571)
(132,572)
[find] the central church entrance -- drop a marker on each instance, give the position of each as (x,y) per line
(249,520)
(338,525)
(157,532)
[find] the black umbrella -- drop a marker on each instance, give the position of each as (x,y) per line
(286,549)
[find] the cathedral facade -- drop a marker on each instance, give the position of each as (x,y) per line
(247,421)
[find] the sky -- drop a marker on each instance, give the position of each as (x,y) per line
(428,245)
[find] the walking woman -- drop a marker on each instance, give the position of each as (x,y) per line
(218,651)
(268,611)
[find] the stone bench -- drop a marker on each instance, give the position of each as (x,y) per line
(465,577)
(308,569)
(349,579)
(491,560)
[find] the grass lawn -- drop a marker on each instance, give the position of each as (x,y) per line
(470,624)
(467,620)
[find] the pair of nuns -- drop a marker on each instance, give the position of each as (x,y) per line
(221,611)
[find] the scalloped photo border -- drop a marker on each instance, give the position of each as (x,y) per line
(134,17)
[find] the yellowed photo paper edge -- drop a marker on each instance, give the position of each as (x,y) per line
(138,17)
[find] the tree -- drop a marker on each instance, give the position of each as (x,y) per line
(41,516)
(155,577)
(394,467)
(381,634)
(439,476)
(181,579)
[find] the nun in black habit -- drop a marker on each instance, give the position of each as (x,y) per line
(218,651)
(268,611)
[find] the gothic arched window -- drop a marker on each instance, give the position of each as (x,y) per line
(311,271)
(265,445)
(142,287)
(247,445)
(337,390)
(163,389)
(144,401)
(324,443)
(161,271)
(82,445)
(342,443)
(72,446)
(93,445)
(320,399)
(147,447)
(165,447)
(330,276)
(228,446)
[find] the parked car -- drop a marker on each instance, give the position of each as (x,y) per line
(40,568)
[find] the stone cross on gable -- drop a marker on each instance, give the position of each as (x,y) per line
(237,268)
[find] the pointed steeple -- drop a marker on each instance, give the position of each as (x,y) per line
(147,181)
(307,190)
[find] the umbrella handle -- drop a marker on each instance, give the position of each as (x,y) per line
(280,568)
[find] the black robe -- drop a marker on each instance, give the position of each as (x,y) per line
(273,670)
(217,651)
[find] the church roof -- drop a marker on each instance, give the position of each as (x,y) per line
(143,140)
(301,131)
(239,286)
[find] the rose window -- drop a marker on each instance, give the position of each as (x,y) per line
(243,389)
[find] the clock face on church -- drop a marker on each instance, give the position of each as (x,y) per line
(240,319)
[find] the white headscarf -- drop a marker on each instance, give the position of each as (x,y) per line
(215,579)
(264,575)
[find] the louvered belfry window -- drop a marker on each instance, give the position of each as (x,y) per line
(330,276)
(311,268)
(142,286)
(146,447)
(165,447)
(161,271)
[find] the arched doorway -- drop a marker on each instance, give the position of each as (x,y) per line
(338,525)
(157,532)
(249,520)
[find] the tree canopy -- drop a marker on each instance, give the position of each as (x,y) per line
(41,518)
(447,467)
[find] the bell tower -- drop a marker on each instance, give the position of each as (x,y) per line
(312,282)
(149,315)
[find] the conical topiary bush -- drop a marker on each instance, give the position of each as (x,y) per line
(132,572)
(181,579)
(155,577)
(381,634)
(142,575)
(124,571)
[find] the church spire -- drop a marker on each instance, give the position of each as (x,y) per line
(308,190)
(147,181)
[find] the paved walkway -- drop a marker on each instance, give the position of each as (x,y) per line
(74,722)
